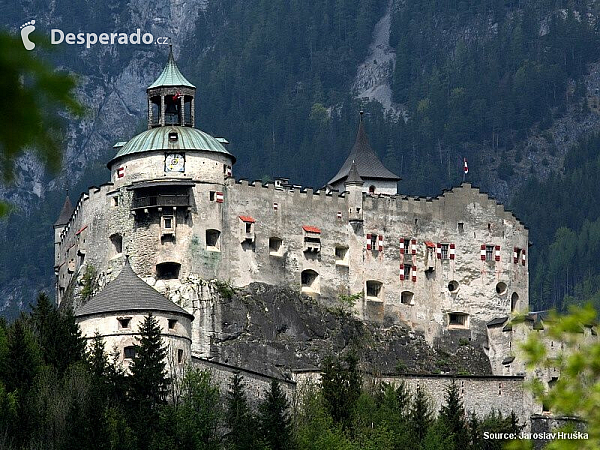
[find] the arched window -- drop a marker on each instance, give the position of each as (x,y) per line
(310,281)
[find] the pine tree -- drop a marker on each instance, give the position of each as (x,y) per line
(420,416)
(453,415)
(148,381)
(275,423)
(238,417)
(341,385)
(58,334)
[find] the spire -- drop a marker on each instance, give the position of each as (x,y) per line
(353,176)
(171,76)
(368,165)
(65,212)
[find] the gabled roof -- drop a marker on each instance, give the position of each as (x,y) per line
(353,176)
(65,213)
(129,293)
(171,76)
(367,162)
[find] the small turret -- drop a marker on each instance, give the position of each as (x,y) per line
(376,177)
(354,186)
(171,98)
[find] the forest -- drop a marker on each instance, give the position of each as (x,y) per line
(59,392)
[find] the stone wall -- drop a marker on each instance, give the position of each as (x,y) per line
(256,384)
(449,297)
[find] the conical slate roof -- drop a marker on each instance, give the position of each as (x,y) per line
(368,164)
(65,213)
(353,176)
(129,293)
(171,76)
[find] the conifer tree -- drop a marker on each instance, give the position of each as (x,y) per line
(148,381)
(420,416)
(238,417)
(275,423)
(452,413)
(341,385)
(23,358)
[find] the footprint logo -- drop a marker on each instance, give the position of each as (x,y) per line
(26,29)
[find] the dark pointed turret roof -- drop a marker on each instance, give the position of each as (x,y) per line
(353,176)
(129,293)
(171,76)
(65,213)
(368,164)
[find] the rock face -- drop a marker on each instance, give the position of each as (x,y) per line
(273,330)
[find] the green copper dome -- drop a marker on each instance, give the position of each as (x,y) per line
(171,138)
(171,76)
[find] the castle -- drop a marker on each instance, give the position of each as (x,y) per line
(454,266)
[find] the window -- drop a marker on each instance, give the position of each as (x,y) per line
(213,240)
(275,246)
(168,271)
(310,281)
(407,298)
(374,289)
(129,352)
(514,300)
(124,323)
(341,255)
(453,286)
(461,227)
(444,251)
(407,247)
(117,244)
(248,227)
(489,252)
(458,320)
(501,288)
(168,224)
(172,323)
(371,189)
(115,201)
(179,356)
(312,239)
(211,196)
(407,269)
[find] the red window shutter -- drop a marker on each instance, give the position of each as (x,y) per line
(401,272)
(219,196)
(414,247)
(380,243)
(483,252)
(452,251)
(369,241)
(402,246)
(439,251)
(523,258)
(515,257)
(414,273)
(497,255)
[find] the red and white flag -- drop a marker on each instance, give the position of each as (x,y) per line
(466,166)
(177,95)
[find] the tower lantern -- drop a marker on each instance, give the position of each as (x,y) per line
(171,98)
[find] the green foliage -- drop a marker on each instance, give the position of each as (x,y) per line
(453,417)
(578,362)
(30,118)
(274,419)
(420,416)
(148,382)
(238,417)
(225,289)
(349,300)
(90,283)
(341,386)
(193,421)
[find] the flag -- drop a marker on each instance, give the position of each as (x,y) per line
(466,166)
(177,95)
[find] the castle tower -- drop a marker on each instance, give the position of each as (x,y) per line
(117,311)
(354,185)
(377,179)
(63,219)
(171,98)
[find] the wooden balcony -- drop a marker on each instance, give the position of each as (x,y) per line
(160,201)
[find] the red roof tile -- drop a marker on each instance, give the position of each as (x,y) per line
(310,229)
